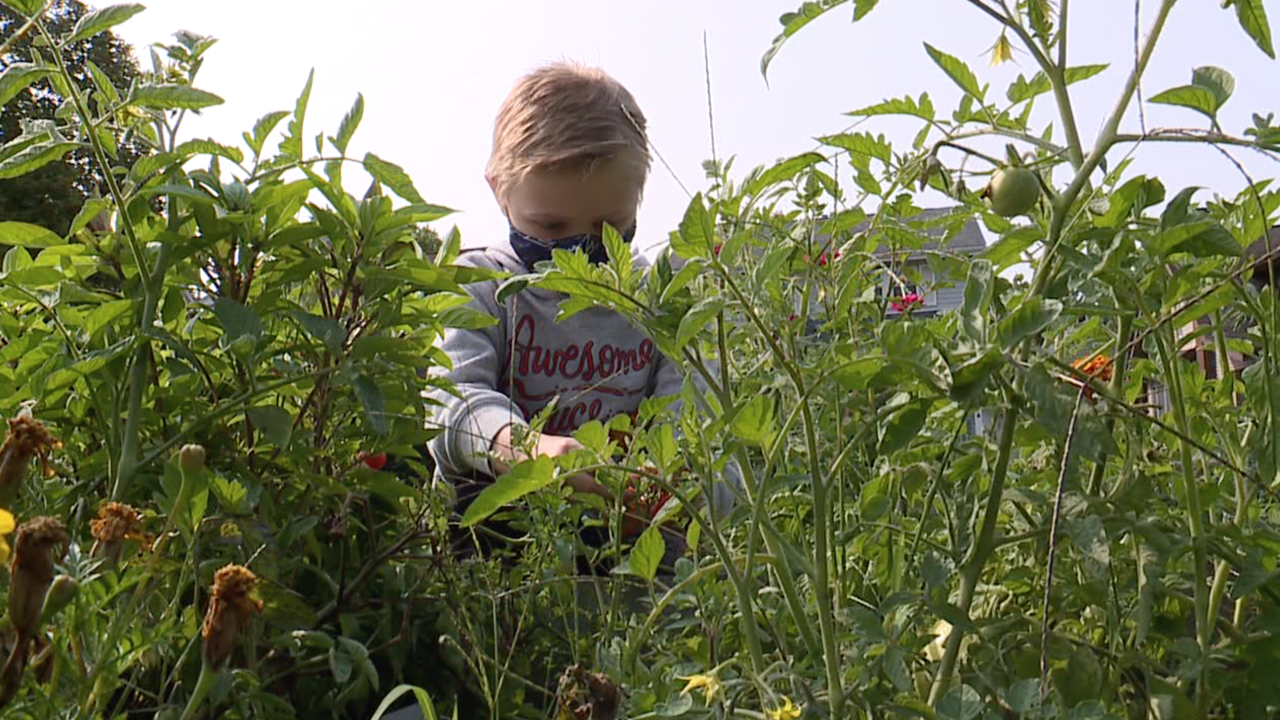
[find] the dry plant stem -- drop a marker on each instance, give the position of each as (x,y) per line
(983,544)
(1053,541)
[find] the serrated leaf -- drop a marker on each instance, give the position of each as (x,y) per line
(754,422)
(275,423)
(960,703)
(646,554)
(526,477)
(102,82)
(370,396)
(862,147)
(1030,317)
(34,157)
(903,426)
(922,108)
(784,170)
(324,329)
(958,71)
(262,128)
(1023,89)
(794,22)
(23,234)
(95,21)
(694,320)
(209,147)
(236,320)
(347,128)
(92,208)
(17,77)
(1009,248)
(172,96)
(1205,238)
(291,145)
(394,177)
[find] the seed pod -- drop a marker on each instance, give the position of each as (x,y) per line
(62,591)
(27,437)
(229,609)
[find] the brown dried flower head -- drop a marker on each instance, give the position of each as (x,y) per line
(31,569)
(116,523)
(229,610)
(27,437)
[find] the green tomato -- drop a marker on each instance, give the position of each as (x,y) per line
(1012,191)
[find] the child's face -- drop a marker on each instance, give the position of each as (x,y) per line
(570,202)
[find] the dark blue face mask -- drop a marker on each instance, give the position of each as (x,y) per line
(532,251)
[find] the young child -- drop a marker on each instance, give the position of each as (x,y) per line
(570,153)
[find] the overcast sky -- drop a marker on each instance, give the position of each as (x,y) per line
(434,73)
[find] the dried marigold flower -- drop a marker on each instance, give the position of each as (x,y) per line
(116,523)
(31,569)
(27,437)
(229,609)
(30,573)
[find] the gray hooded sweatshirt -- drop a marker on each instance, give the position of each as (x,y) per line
(596,363)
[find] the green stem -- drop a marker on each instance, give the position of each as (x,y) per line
(821,588)
(208,676)
(1223,571)
(982,548)
(1119,366)
(1195,517)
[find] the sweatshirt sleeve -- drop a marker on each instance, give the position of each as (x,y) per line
(473,413)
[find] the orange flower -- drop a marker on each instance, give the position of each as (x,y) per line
(1096,366)
(27,437)
(229,609)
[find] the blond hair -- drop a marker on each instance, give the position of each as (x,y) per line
(561,115)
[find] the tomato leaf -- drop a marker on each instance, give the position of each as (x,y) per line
(526,477)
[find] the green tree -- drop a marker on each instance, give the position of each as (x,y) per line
(52,195)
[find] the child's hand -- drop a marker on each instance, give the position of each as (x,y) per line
(549,446)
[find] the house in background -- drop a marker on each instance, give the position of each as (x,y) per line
(1200,345)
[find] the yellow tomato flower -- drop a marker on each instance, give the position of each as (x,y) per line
(1002,51)
(710,685)
(7,525)
(788,711)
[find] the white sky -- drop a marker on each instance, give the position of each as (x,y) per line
(434,73)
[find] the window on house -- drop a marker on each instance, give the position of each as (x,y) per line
(914,279)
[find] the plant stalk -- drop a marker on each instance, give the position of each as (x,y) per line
(983,545)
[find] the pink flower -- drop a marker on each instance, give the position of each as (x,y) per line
(906,302)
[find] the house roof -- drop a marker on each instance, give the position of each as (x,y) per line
(1258,250)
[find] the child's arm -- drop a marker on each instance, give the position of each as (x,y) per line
(478,422)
